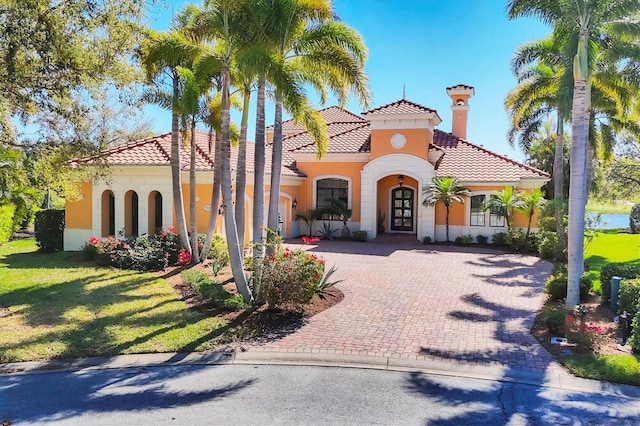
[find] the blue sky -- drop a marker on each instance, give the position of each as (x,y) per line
(425,46)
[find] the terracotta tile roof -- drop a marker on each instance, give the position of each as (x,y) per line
(156,151)
(343,138)
(402,106)
(473,163)
(464,86)
(331,114)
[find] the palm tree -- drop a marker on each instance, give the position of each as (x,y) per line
(312,47)
(446,190)
(529,203)
(310,217)
(162,54)
(503,203)
(591,31)
(220,21)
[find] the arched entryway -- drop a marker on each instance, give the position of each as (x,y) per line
(108,214)
(131,214)
(155,212)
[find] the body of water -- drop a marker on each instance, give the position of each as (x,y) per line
(610,221)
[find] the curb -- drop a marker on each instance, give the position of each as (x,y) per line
(554,377)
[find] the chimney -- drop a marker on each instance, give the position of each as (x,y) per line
(460,95)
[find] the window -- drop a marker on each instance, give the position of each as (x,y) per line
(495,215)
(477,213)
(331,188)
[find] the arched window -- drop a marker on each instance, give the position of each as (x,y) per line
(131,214)
(331,188)
(108,214)
(155,212)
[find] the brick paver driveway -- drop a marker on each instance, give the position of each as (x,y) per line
(428,302)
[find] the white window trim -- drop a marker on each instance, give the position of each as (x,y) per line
(487,213)
(342,177)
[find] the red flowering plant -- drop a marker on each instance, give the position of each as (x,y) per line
(309,240)
(290,278)
(183,257)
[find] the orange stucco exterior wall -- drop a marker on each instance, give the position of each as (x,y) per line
(314,170)
(457,211)
(418,141)
(78,213)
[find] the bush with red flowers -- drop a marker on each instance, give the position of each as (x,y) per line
(290,278)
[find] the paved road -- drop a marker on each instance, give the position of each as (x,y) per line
(265,395)
(408,301)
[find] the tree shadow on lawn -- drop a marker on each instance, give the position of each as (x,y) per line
(518,355)
(57,396)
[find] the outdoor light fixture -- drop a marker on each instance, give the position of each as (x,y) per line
(294,203)
(400,180)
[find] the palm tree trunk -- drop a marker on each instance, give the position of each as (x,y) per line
(276,169)
(258,189)
(577,196)
(558,182)
(215,197)
(447,222)
(241,168)
(176,179)
(231,231)
(195,257)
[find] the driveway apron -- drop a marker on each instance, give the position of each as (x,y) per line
(445,303)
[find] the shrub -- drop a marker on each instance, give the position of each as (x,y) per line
(481,239)
(6,222)
(170,243)
(204,286)
(426,240)
(291,278)
(549,247)
(610,270)
(556,284)
(235,302)
(464,239)
(555,320)
(500,239)
(49,230)
(326,231)
(89,251)
(635,336)
(629,299)
(634,219)
(142,253)
(359,236)
(219,253)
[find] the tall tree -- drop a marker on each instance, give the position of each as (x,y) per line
(312,47)
(52,49)
(445,190)
(591,31)
(504,203)
(163,54)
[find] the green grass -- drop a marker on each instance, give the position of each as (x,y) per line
(612,368)
(61,308)
(609,246)
(622,207)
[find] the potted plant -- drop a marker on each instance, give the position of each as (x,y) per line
(380,220)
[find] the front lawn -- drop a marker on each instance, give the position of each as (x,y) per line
(52,306)
(610,246)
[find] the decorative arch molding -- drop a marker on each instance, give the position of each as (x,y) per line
(396,164)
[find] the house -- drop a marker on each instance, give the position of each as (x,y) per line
(376,162)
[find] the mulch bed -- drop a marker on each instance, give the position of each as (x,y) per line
(597,316)
(249,326)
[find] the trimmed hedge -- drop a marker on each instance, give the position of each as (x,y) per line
(6,222)
(49,230)
(624,270)
(629,297)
